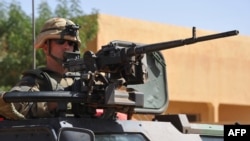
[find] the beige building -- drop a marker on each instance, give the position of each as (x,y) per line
(209,81)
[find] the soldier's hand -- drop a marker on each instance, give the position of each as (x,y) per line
(8,110)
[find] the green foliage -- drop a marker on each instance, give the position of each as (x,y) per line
(16,39)
(89,27)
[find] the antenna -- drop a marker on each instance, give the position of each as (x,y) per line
(33,37)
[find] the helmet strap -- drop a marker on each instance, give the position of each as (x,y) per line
(58,60)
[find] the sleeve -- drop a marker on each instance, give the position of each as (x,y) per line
(7,110)
(31,109)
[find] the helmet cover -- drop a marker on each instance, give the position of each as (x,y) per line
(58,28)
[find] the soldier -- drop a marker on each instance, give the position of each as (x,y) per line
(57,36)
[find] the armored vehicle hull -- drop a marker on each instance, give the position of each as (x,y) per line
(106,129)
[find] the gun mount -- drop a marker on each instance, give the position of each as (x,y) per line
(124,59)
(121,77)
(111,78)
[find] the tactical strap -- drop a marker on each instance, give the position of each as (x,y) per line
(42,76)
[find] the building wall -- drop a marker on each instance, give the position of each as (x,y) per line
(207,78)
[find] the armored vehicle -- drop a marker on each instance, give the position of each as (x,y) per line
(123,78)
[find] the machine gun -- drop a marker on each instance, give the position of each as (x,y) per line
(102,78)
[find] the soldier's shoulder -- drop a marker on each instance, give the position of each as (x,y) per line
(35,73)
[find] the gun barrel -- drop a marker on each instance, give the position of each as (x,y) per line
(140,49)
(219,35)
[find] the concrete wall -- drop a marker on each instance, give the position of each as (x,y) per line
(213,73)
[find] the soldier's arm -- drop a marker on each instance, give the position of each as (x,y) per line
(31,109)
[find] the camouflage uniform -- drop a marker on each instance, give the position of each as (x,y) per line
(42,79)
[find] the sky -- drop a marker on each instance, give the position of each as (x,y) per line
(212,15)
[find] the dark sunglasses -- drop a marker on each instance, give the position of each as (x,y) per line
(62,41)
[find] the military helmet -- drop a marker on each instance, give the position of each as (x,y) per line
(58,28)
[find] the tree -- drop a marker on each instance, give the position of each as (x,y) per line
(16,40)
(16,35)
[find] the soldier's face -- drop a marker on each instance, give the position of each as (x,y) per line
(59,46)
